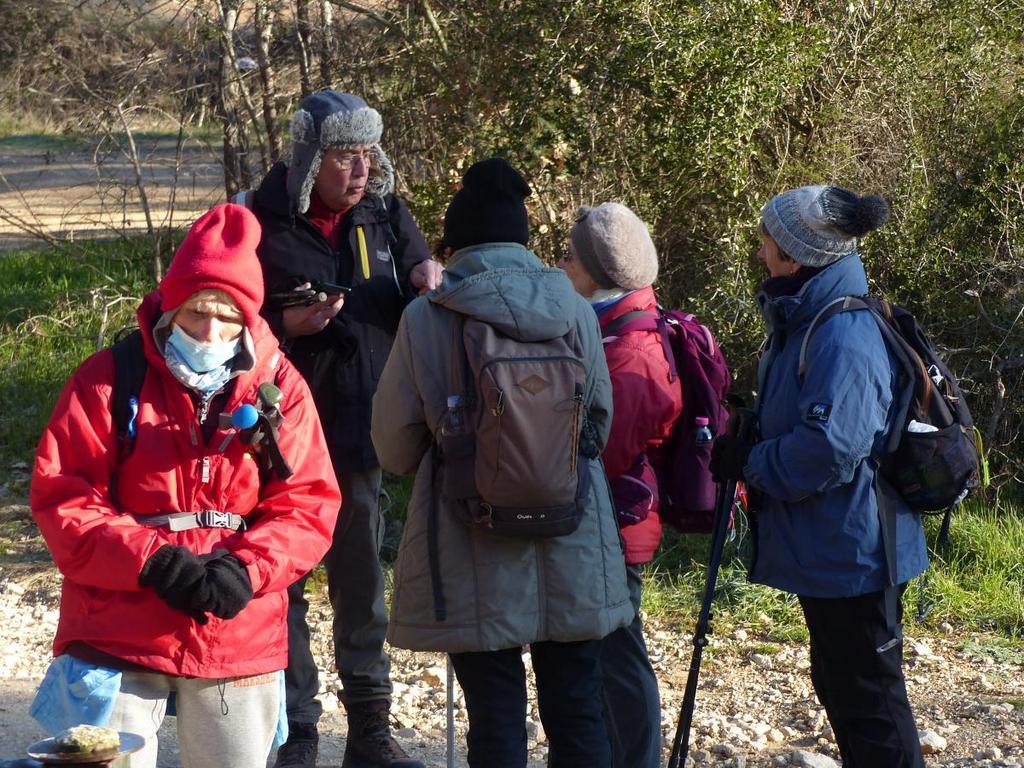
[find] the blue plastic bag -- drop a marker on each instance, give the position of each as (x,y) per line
(75,692)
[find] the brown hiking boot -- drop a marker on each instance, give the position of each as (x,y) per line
(300,749)
(370,743)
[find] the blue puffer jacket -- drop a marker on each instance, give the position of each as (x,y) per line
(818,533)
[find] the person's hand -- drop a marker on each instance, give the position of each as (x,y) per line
(177,575)
(426,276)
(728,458)
(305,321)
(226,588)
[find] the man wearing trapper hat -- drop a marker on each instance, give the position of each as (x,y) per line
(329,215)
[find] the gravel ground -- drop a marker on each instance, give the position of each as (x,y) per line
(755,704)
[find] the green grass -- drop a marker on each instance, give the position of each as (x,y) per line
(675,582)
(994,648)
(51,308)
(975,583)
(15,142)
(38,143)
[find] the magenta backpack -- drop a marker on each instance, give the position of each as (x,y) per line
(687,492)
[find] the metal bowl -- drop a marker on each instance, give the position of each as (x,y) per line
(45,751)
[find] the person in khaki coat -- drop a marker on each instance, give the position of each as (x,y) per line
(559,595)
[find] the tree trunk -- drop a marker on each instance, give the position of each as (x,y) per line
(237,176)
(264,22)
(302,33)
(327,59)
(229,19)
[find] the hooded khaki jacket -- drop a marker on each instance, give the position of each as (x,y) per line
(499,592)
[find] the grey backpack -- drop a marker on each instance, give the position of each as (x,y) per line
(513,446)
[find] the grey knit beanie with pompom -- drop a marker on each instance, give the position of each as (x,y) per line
(615,247)
(819,225)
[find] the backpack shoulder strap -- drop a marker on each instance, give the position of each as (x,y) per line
(246,198)
(636,320)
(639,320)
(909,360)
(830,310)
(129,373)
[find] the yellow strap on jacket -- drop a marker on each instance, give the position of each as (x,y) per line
(363,257)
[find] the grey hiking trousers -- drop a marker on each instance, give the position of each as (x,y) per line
(221,723)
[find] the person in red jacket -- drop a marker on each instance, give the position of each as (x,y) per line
(178,545)
(611,261)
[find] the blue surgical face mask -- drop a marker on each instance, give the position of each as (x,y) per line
(202,356)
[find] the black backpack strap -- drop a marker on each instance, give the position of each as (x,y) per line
(460,374)
(884,497)
(129,373)
(433,535)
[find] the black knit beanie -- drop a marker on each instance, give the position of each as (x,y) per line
(489,208)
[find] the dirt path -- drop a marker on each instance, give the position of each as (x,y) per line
(69,191)
(755,705)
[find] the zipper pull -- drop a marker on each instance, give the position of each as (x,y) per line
(499,406)
(206,470)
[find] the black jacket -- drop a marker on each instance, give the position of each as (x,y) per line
(343,362)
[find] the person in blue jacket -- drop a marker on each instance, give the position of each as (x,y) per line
(823,531)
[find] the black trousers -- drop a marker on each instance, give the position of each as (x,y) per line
(632,704)
(569,689)
(862,689)
(355,583)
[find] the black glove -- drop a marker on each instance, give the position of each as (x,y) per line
(226,587)
(728,457)
(176,574)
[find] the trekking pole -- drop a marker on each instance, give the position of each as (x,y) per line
(740,425)
(450,745)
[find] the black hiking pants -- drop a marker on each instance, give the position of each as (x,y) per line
(569,697)
(355,583)
(863,690)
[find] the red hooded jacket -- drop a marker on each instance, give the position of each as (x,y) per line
(101,548)
(646,405)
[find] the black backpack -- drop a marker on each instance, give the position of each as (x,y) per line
(129,373)
(934,457)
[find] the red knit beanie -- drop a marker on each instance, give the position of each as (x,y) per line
(219,251)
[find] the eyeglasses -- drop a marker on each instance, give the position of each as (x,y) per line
(345,161)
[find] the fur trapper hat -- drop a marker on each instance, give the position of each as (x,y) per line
(818,225)
(615,247)
(332,119)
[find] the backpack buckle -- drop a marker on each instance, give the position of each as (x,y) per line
(213,518)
